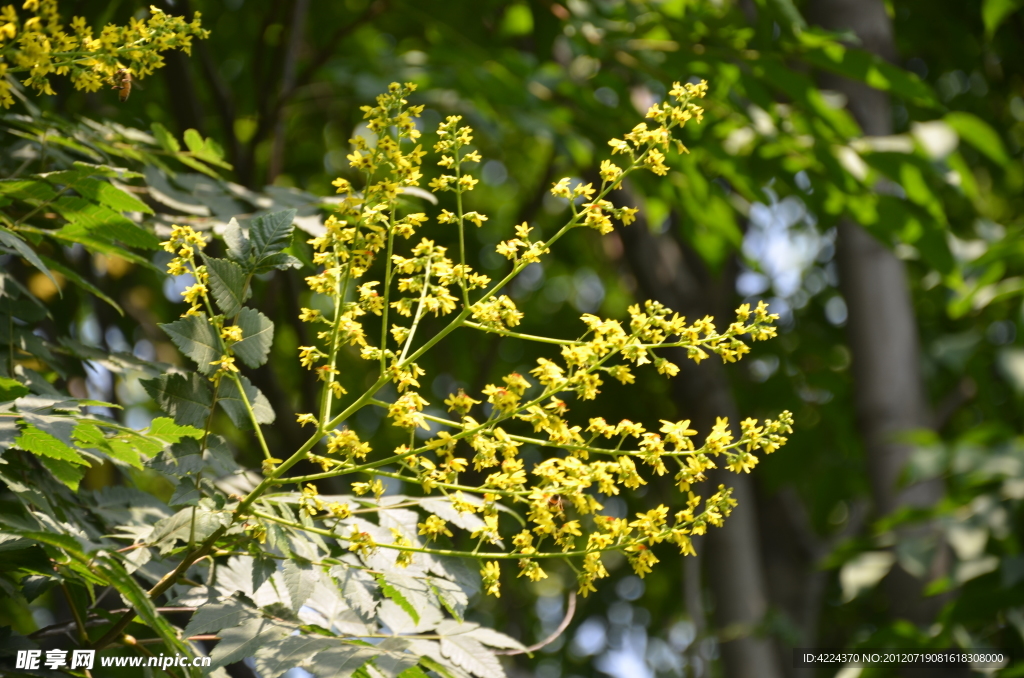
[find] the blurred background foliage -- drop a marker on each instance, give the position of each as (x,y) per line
(782,159)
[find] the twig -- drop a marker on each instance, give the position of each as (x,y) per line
(554,634)
(83,636)
(64,627)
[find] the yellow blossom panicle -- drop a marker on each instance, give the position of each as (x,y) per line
(388,277)
(39,46)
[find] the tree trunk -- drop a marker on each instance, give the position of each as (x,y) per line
(665,273)
(882,330)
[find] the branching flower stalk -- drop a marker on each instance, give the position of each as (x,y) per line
(560,495)
(41,46)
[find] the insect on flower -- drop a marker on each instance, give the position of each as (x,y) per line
(556,504)
(123,82)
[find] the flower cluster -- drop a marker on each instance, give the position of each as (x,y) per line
(185,244)
(558,501)
(39,46)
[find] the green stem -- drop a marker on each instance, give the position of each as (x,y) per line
(161,587)
(387,296)
(498,555)
(83,636)
(419,311)
(462,229)
(520,335)
(339,300)
(41,205)
(252,415)
(368,397)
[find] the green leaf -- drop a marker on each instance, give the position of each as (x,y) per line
(89,436)
(106,171)
(279,261)
(804,90)
(113,197)
(238,244)
(787,11)
(278,657)
(55,539)
(213,617)
(102,223)
(15,242)
(436,666)
(165,138)
(230,399)
(11,389)
(76,233)
(64,471)
(196,337)
(166,430)
(258,336)
(206,150)
(269,234)
(451,595)
(197,165)
(29,190)
(186,398)
(394,660)
(263,568)
(182,459)
(194,141)
(912,173)
(202,519)
(299,579)
(861,65)
(43,444)
(397,593)
(358,589)
(140,600)
(36,585)
(186,493)
(220,457)
(73,276)
(300,249)
(979,134)
(243,641)
(995,12)
(495,638)
(341,662)
(468,654)
(228,284)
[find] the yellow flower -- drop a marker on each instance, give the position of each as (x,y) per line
(339,511)
(231,334)
(434,527)
(610,171)
(193,293)
(309,355)
(309,315)
(531,570)
(641,558)
(490,574)
(561,189)
(226,363)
